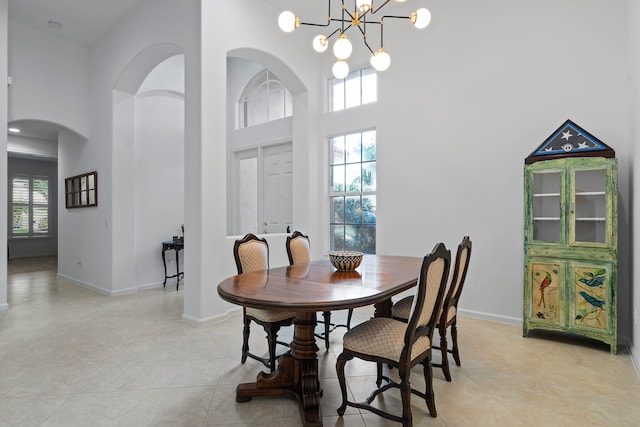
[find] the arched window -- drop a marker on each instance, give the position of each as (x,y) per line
(264,99)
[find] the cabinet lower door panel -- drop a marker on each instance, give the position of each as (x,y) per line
(591,299)
(546,292)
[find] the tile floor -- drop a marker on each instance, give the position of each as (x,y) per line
(71,357)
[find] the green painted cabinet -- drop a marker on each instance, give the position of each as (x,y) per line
(571,247)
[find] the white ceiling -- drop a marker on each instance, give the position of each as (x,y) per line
(35,129)
(83,21)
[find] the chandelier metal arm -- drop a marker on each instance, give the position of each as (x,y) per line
(357,17)
(318,25)
(394,16)
(374,11)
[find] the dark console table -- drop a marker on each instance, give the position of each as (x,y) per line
(177,244)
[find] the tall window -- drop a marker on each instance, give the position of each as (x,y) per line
(358,88)
(264,99)
(353,191)
(30,206)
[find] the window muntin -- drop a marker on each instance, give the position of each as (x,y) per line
(29,206)
(264,99)
(358,88)
(353,191)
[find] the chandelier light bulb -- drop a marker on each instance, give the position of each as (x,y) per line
(364,5)
(421,18)
(342,48)
(287,21)
(340,69)
(362,15)
(320,43)
(380,60)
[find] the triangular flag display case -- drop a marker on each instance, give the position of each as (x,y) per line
(571,236)
(570,140)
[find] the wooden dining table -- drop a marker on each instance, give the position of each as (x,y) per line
(306,289)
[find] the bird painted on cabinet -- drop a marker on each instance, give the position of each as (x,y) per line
(596,303)
(543,285)
(593,282)
(594,279)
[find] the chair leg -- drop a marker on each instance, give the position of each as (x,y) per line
(245,339)
(405,393)
(342,360)
(454,340)
(428,380)
(349,315)
(378,374)
(443,351)
(272,335)
(327,325)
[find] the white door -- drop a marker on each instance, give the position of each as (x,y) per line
(277,192)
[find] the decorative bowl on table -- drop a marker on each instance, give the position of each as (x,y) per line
(345,260)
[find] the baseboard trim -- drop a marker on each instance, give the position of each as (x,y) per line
(97,289)
(213,319)
(83,284)
(516,321)
(149,286)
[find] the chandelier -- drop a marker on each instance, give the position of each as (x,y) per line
(359,18)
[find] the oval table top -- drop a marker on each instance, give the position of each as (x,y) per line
(318,286)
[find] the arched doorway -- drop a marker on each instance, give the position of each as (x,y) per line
(260,158)
(148,164)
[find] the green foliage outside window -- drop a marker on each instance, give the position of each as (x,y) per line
(353,186)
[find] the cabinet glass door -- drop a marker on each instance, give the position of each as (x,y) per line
(589,206)
(546,205)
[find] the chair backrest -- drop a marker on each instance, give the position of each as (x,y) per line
(450,303)
(251,254)
(426,303)
(298,249)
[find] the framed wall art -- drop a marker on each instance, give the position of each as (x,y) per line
(81,191)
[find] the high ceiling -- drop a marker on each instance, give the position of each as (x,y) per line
(82,21)
(85,21)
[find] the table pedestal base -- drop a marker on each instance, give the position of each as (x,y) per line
(296,375)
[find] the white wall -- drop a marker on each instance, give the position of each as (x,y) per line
(159,182)
(35,147)
(633,303)
(3,150)
(77,237)
(463,103)
(50,78)
(490,82)
(259,33)
(51,83)
(155,31)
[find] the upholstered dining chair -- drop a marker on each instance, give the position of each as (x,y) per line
(298,251)
(251,253)
(401,345)
(448,315)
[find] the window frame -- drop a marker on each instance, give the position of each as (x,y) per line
(362,194)
(31,206)
(271,87)
(359,76)
(81,191)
